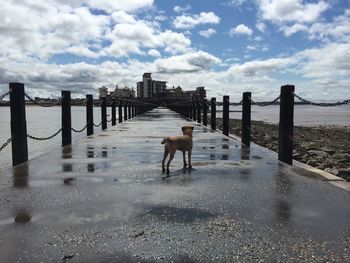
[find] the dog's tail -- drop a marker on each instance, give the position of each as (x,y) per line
(165,140)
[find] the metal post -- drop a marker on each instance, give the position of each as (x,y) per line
(226,115)
(285,138)
(104,112)
(133,109)
(205,112)
(199,111)
(89,115)
(120,111)
(213,113)
(246,118)
(129,109)
(66,118)
(125,110)
(18,124)
(189,110)
(113,112)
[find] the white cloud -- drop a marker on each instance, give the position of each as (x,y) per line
(180,9)
(241,30)
(261,26)
(236,3)
(191,62)
(188,22)
(207,33)
(291,10)
(153,53)
(290,30)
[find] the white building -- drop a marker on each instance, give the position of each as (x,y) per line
(148,88)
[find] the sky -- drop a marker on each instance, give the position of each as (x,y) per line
(227,46)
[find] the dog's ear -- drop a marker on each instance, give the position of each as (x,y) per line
(183,128)
(192,128)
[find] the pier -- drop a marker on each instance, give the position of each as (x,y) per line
(105,199)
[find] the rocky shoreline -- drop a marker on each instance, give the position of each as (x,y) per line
(324,147)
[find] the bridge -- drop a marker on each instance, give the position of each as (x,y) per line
(105,199)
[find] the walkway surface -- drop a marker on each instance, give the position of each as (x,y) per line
(106,200)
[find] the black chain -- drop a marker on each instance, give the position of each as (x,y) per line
(79,130)
(5,144)
(322,104)
(109,120)
(98,125)
(262,104)
(40,104)
(4,95)
(44,138)
(236,103)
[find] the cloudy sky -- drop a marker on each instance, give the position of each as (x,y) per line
(228,46)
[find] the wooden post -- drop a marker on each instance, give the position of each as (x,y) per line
(190,110)
(104,112)
(246,118)
(66,118)
(120,111)
(129,109)
(213,113)
(18,124)
(125,110)
(89,115)
(205,112)
(199,111)
(226,115)
(133,109)
(113,112)
(285,138)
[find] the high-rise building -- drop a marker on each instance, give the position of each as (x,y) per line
(148,88)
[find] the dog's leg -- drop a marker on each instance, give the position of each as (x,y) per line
(172,154)
(166,152)
(184,154)
(189,158)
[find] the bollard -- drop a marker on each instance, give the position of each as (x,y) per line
(125,110)
(104,112)
(120,111)
(213,113)
(190,110)
(66,118)
(205,112)
(285,138)
(246,118)
(18,124)
(113,112)
(226,115)
(199,111)
(133,109)
(89,115)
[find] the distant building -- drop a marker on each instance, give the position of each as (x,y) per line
(123,92)
(148,88)
(103,91)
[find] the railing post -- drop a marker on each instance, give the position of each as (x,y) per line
(213,113)
(18,124)
(120,111)
(190,110)
(125,110)
(285,138)
(104,112)
(246,118)
(194,113)
(133,109)
(199,111)
(66,118)
(205,112)
(89,115)
(129,109)
(226,115)
(113,112)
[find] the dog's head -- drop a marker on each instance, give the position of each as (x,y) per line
(187,130)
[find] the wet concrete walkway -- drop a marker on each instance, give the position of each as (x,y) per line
(105,200)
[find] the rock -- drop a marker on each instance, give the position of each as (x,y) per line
(344,173)
(331,171)
(328,150)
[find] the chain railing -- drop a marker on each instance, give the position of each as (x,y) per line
(4,95)
(98,125)
(44,138)
(322,104)
(81,130)
(40,104)
(267,103)
(5,144)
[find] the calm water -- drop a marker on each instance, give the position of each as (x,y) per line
(42,122)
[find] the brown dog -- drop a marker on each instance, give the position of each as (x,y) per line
(182,143)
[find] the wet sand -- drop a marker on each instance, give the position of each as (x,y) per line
(323,147)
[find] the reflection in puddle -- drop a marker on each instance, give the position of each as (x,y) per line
(283,210)
(20,175)
(90,154)
(245,152)
(67,154)
(284,188)
(22,217)
(68,180)
(225,146)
